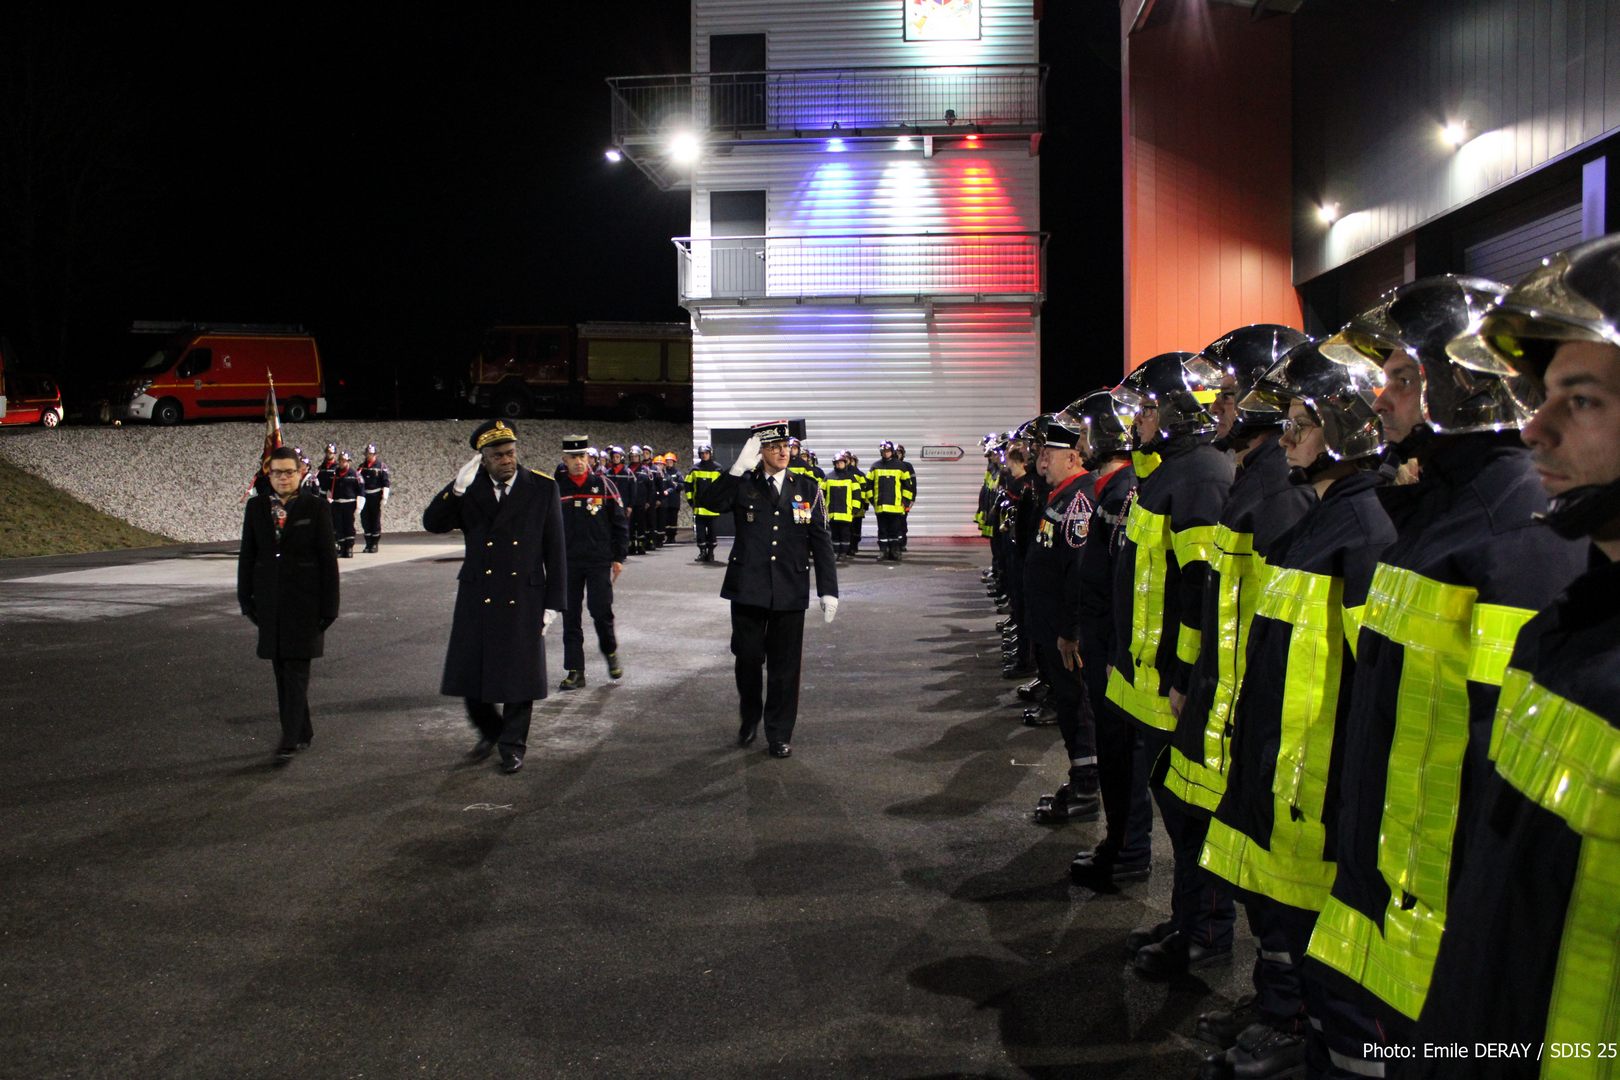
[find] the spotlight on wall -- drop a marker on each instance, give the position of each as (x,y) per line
(835,146)
(904,142)
(684,148)
(1328,212)
(613,155)
(1454,134)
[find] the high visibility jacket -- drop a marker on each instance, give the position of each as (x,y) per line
(984,517)
(1272,834)
(1531,951)
(1144,462)
(1447,600)
(840,489)
(861,493)
(803,467)
(891,486)
(698,480)
(1263,505)
(1111,495)
(1159,578)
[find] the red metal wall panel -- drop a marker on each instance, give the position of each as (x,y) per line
(1208,177)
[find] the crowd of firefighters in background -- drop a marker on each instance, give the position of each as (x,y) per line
(1309,596)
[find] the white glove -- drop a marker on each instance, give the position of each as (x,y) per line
(747,458)
(829,608)
(468,473)
(385,495)
(359,503)
(548,617)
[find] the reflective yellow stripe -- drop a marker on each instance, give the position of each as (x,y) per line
(1196,543)
(1293,871)
(1445,637)
(1144,462)
(1493,630)
(1566,759)
(897,503)
(1352,625)
(1150,533)
(1188,643)
(1146,705)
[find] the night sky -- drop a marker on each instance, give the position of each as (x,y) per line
(398,184)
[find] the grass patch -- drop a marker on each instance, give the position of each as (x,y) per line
(40,520)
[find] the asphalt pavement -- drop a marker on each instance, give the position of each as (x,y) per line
(643,899)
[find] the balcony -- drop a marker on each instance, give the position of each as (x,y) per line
(726,109)
(921,268)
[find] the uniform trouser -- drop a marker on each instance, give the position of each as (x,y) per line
(1342,1030)
(889,526)
(371,516)
(672,517)
(769,646)
(905,519)
(998,558)
(1018,609)
(856,527)
(1281,934)
(1074,718)
(507,727)
(703,530)
(840,536)
(292,701)
(1123,765)
(343,522)
(1201,904)
(592,586)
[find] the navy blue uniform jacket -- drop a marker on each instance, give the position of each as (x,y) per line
(514,569)
(777,538)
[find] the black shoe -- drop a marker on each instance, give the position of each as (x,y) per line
(746,733)
(1042,715)
(1222,1026)
(1099,870)
(1065,806)
(1006,624)
(781,749)
(615,669)
(573,681)
(1034,690)
(284,754)
(511,765)
(481,750)
(1143,936)
(1263,1051)
(1176,955)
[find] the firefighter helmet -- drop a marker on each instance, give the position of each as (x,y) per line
(1180,385)
(1107,431)
(1340,391)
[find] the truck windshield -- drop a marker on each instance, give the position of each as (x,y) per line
(160,360)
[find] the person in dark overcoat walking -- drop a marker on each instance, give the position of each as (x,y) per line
(512,585)
(781,529)
(287,584)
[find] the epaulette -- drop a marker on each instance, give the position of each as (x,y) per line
(544,476)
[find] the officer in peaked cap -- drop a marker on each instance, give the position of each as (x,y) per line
(598,538)
(513,582)
(781,529)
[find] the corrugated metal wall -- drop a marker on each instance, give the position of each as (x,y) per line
(860,33)
(1510,245)
(860,375)
(1532,80)
(1207,179)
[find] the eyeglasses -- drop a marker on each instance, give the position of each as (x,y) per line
(1296,429)
(283,472)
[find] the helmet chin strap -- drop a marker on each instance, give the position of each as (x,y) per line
(1582,511)
(1307,474)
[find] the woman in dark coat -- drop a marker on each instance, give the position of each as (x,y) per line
(287,583)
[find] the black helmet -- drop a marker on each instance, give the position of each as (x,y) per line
(1180,384)
(1340,393)
(1244,355)
(1025,432)
(1107,432)
(886,444)
(705,449)
(1422,318)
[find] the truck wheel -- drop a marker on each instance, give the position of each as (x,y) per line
(512,404)
(297,411)
(167,412)
(50,418)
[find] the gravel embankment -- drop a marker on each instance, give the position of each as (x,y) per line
(186,482)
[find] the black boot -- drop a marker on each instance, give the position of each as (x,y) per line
(1034,690)
(1222,1026)
(1067,805)
(1263,1051)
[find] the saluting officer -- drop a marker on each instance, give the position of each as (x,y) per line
(598,542)
(512,584)
(377,484)
(781,529)
(704,472)
(346,492)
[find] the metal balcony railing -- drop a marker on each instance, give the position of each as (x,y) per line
(769,105)
(939,266)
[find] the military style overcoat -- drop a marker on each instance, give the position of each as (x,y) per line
(288,586)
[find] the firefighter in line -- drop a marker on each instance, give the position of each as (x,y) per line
(625,480)
(911,474)
(328,469)
(841,492)
(598,540)
(1260,507)
(1467,570)
(309,483)
(863,488)
(377,485)
(1158,604)
(1532,944)
(891,488)
(347,492)
(993,466)
(674,488)
(1269,834)
(703,472)
(1020,502)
